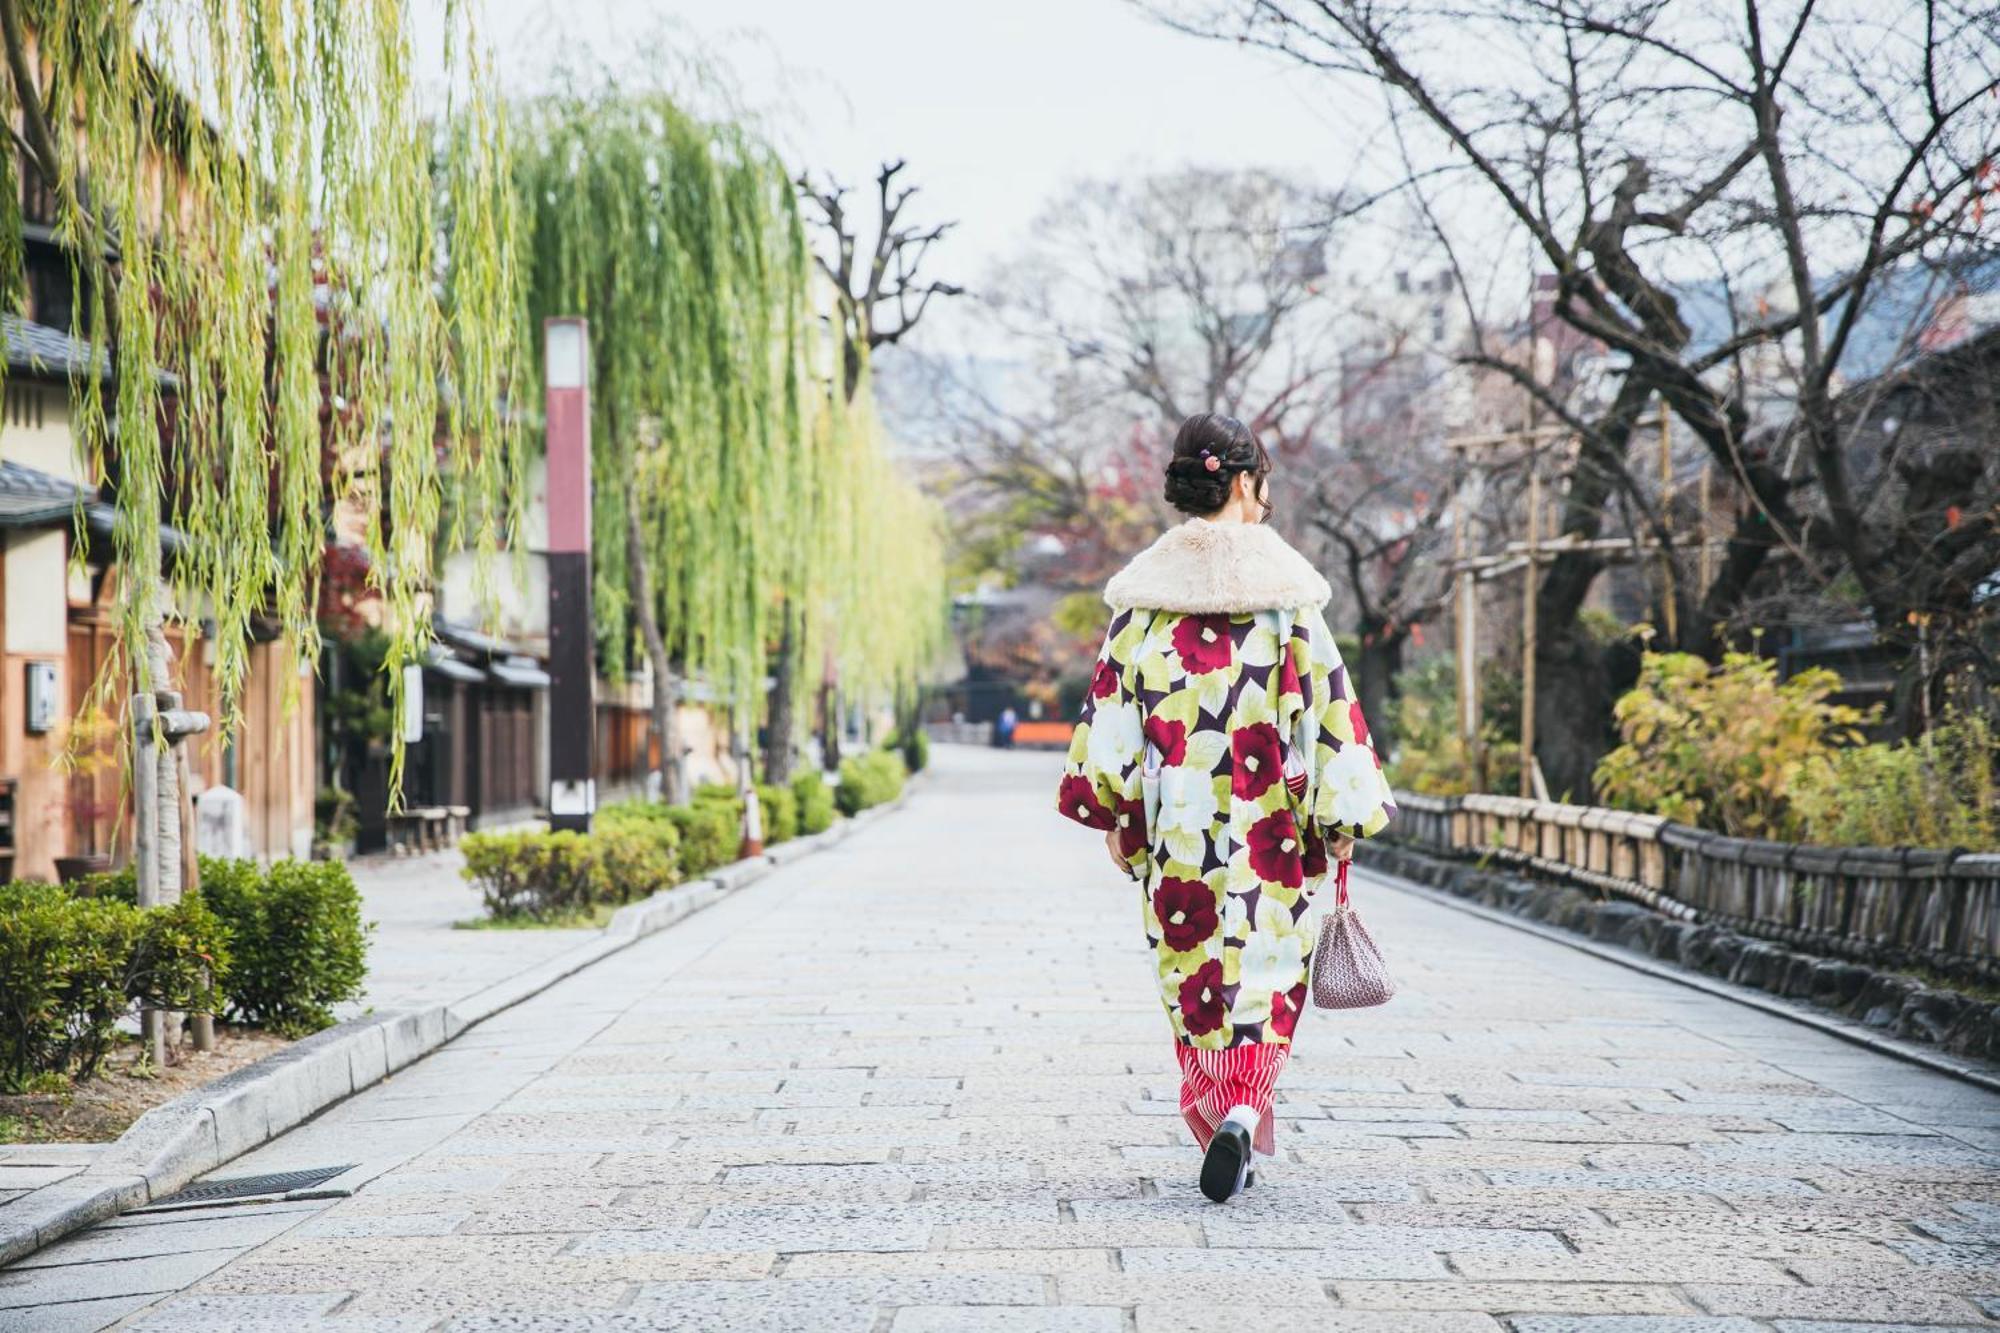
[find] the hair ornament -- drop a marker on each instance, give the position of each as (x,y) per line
(1210,461)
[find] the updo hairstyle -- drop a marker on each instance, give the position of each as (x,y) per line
(1209,451)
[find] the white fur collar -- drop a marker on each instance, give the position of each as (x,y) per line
(1205,568)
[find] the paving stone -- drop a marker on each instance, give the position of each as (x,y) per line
(1615,1267)
(1512,1297)
(22,1287)
(1051,1262)
(61,1316)
(1914,1302)
(1236,1318)
(768,1237)
(1850,1326)
(1044,1319)
(1633,1323)
(1168,1262)
(1193,1287)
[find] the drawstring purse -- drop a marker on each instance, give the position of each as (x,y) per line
(1347,968)
(1348,971)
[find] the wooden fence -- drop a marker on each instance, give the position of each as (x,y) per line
(1899,905)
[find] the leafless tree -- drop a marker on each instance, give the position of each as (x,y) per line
(880,294)
(1731,201)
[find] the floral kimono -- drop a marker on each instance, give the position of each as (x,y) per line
(1222,742)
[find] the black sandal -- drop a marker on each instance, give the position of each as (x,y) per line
(1225,1169)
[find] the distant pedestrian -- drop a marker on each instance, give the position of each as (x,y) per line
(1009,719)
(1222,752)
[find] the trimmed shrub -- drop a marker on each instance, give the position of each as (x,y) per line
(635,858)
(711,832)
(298,943)
(70,968)
(868,780)
(538,875)
(815,802)
(781,813)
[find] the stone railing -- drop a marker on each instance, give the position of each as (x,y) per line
(1876,905)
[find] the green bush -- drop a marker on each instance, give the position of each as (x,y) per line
(1430,756)
(537,875)
(781,813)
(297,940)
(634,859)
(815,801)
(117,885)
(1723,747)
(1935,791)
(914,747)
(71,967)
(711,833)
(868,780)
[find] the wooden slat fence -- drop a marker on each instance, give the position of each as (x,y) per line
(1871,904)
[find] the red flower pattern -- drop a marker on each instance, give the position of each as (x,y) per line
(1277,854)
(1360,723)
(1203,643)
(1286,1005)
(1186,909)
(1313,863)
(1077,799)
(1259,760)
(1202,1006)
(1132,831)
(1169,738)
(1105,682)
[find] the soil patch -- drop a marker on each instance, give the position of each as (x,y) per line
(126,1087)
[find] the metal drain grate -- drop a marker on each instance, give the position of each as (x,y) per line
(244,1187)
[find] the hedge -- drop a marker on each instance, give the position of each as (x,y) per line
(781,813)
(71,967)
(870,779)
(538,875)
(815,800)
(298,940)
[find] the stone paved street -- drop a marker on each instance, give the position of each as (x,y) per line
(921,1082)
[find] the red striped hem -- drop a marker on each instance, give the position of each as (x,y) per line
(1212,1082)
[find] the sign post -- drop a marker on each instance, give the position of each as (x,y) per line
(572,670)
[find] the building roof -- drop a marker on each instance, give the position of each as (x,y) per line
(31,498)
(52,354)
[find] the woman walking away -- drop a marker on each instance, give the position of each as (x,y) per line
(1222,753)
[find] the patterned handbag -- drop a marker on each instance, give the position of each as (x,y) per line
(1348,971)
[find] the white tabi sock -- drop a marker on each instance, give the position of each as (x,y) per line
(1245,1116)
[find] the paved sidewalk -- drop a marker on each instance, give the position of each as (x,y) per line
(921,1082)
(415,958)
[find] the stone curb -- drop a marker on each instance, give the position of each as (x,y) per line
(209,1126)
(1617,932)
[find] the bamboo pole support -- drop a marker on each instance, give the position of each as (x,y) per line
(1530,585)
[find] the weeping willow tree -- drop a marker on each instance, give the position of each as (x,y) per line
(252,201)
(740,500)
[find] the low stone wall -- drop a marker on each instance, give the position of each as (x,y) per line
(1896,1002)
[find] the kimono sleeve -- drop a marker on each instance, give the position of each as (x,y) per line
(1347,792)
(1101,782)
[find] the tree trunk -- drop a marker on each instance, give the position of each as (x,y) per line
(829,723)
(666,686)
(781,721)
(1374,677)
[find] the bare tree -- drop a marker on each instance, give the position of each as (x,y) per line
(880,295)
(1730,202)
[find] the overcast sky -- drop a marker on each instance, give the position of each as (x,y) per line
(995,104)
